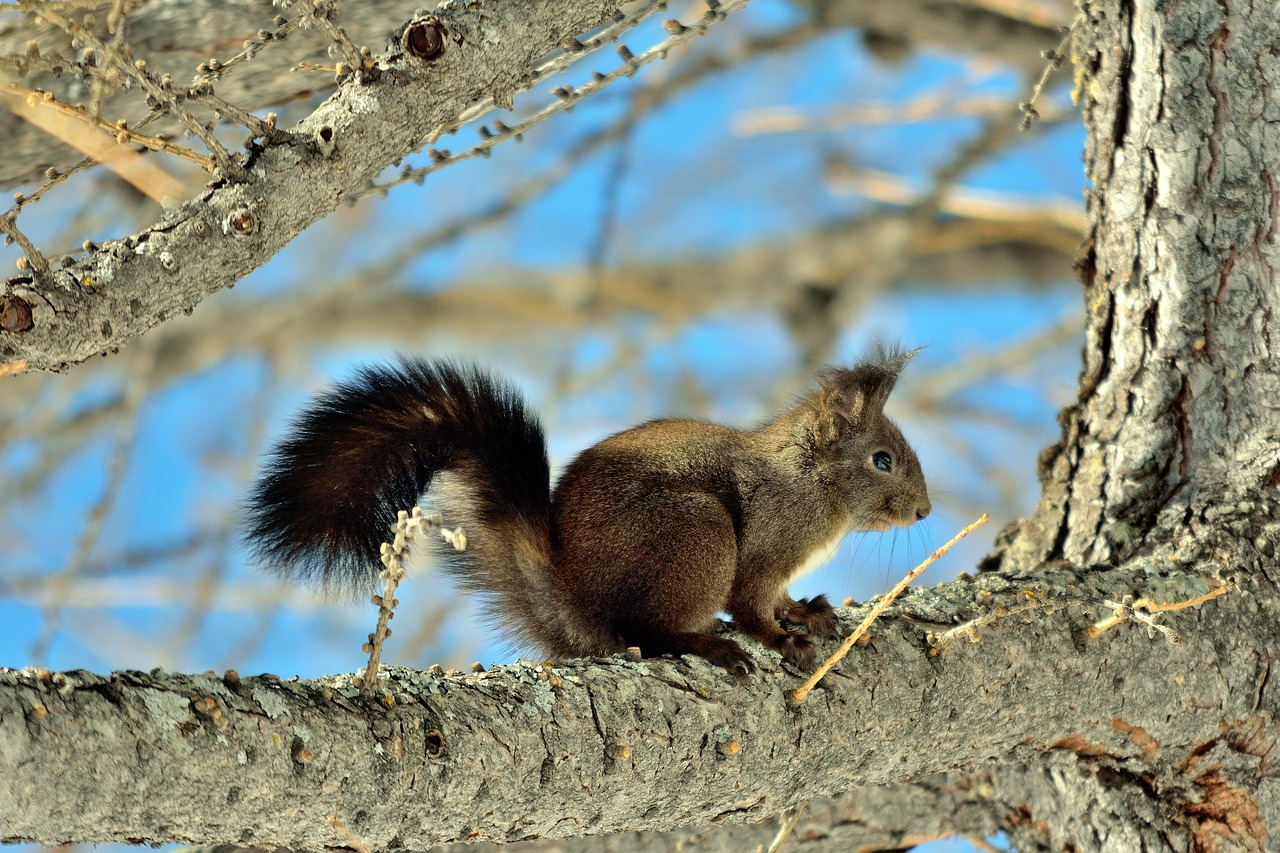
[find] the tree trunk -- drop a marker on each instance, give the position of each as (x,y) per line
(1170,458)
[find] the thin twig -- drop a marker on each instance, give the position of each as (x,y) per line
(264,128)
(408,526)
(137,71)
(788,825)
(566,97)
(82,135)
(122,132)
(321,13)
(53,177)
(37,262)
(1054,60)
(118,26)
(802,692)
(215,68)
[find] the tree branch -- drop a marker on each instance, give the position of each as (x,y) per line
(584,747)
(122,288)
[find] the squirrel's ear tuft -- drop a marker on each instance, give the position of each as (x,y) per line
(848,396)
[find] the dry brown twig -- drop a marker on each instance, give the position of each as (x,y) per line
(408,526)
(802,692)
(136,71)
(1128,609)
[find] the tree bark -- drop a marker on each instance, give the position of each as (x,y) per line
(584,747)
(1169,458)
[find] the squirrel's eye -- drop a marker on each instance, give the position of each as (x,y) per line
(882,460)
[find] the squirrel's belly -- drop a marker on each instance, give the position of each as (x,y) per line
(818,556)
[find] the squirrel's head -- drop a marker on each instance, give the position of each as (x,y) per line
(857,449)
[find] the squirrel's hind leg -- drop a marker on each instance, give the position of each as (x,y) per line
(720,651)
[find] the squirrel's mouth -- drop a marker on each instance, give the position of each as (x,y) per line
(886,521)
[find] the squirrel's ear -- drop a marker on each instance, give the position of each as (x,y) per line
(848,396)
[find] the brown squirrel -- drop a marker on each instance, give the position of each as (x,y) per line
(649,534)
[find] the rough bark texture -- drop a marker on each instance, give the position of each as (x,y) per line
(1171,456)
(1176,421)
(118,291)
(604,746)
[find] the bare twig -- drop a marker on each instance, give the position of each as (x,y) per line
(408,526)
(264,128)
(802,692)
(37,262)
(969,629)
(788,824)
(215,68)
(118,26)
(119,129)
(1053,60)
(53,177)
(137,72)
(1127,609)
(566,96)
(320,13)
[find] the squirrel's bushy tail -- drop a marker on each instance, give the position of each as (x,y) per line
(372,446)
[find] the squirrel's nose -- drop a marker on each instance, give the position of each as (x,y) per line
(923,508)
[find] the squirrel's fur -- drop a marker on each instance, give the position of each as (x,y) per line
(649,534)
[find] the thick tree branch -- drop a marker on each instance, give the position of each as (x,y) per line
(1016,33)
(120,289)
(556,750)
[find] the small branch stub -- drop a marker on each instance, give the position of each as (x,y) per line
(424,39)
(240,223)
(15,314)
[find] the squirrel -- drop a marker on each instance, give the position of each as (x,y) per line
(649,534)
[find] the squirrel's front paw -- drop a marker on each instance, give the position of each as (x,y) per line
(815,615)
(798,650)
(820,616)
